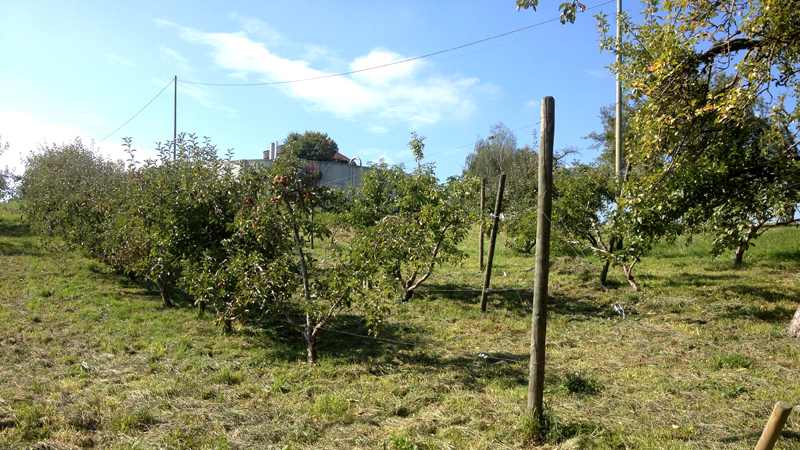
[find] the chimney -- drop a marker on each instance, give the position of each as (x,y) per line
(272,150)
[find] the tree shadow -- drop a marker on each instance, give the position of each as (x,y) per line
(778,314)
(691,279)
(14,229)
(787,436)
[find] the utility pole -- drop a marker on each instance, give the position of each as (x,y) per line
(618,121)
(539,315)
(175,122)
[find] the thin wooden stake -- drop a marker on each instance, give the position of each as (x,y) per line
(774,426)
(487,277)
(480,241)
(539,316)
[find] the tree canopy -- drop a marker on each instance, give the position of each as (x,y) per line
(312,145)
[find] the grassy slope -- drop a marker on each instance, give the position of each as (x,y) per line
(90,359)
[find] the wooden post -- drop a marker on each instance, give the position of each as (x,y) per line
(483,206)
(774,426)
(539,316)
(487,277)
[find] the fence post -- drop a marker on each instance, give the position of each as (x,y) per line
(480,240)
(774,426)
(539,315)
(487,278)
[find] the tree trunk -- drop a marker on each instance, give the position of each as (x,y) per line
(607,263)
(528,246)
(738,255)
(408,294)
(794,326)
(604,272)
(629,275)
(311,345)
(163,289)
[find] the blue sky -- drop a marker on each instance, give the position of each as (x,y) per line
(82,68)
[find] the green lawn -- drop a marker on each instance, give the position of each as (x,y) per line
(90,359)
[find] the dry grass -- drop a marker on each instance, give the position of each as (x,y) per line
(91,360)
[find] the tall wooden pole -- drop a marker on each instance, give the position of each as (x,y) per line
(480,240)
(539,316)
(175,122)
(618,119)
(487,277)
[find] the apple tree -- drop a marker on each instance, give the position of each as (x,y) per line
(410,221)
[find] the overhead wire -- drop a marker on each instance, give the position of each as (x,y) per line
(140,111)
(393,63)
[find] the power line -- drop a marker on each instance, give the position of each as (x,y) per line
(143,108)
(428,55)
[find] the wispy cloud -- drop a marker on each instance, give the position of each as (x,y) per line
(400,92)
(204,98)
(176,58)
(117,60)
(597,74)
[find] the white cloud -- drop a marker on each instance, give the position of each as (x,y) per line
(397,92)
(204,98)
(176,58)
(122,61)
(25,133)
(259,28)
(596,74)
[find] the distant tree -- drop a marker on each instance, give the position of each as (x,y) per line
(605,140)
(492,155)
(7,177)
(68,193)
(311,145)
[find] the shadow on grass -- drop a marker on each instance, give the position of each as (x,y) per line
(14,229)
(691,279)
(786,436)
(393,350)
(778,314)
(519,301)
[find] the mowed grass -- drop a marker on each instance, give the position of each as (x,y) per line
(89,359)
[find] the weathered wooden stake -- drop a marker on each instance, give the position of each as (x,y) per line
(774,426)
(480,241)
(539,316)
(487,277)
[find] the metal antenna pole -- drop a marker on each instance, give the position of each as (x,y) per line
(175,122)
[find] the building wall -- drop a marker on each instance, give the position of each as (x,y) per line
(334,174)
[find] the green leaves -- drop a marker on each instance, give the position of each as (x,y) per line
(311,145)
(406,223)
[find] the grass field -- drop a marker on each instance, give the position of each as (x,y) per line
(89,359)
